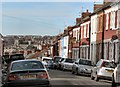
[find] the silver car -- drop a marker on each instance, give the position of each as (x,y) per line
(102,70)
(67,64)
(75,66)
(82,66)
(116,76)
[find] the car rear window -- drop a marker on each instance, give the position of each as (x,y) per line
(108,64)
(24,65)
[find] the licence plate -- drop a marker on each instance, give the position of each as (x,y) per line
(28,77)
(111,71)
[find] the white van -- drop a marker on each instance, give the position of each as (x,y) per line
(47,62)
(46,58)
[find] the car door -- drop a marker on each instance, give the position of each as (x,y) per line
(80,66)
(75,65)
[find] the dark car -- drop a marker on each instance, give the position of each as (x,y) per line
(27,73)
(16,57)
(59,63)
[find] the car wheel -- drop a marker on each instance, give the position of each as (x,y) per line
(73,72)
(77,72)
(96,78)
(63,68)
(92,78)
(113,82)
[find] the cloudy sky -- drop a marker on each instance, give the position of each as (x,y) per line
(40,18)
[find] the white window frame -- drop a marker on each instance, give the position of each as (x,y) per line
(107,19)
(88,31)
(81,32)
(112,20)
(84,31)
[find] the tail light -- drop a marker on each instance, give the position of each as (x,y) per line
(13,77)
(102,64)
(43,75)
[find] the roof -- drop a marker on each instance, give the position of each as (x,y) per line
(96,11)
(107,5)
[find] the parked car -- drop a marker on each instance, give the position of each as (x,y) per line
(116,76)
(59,63)
(102,70)
(67,64)
(75,66)
(27,73)
(55,61)
(48,62)
(16,57)
(82,66)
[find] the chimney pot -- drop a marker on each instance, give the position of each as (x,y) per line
(87,10)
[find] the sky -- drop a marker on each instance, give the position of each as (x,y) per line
(40,18)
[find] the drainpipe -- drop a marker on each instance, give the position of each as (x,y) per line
(114,52)
(103,37)
(79,40)
(89,38)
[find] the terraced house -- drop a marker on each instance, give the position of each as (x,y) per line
(94,36)
(104,43)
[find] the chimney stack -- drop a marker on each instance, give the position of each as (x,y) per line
(97,6)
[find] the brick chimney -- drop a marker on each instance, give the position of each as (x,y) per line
(78,20)
(106,1)
(65,31)
(85,14)
(97,6)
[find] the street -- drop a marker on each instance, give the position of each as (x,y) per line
(61,78)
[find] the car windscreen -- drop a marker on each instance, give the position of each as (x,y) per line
(108,64)
(69,60)
(56,59)
(24,65)
(85,62)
